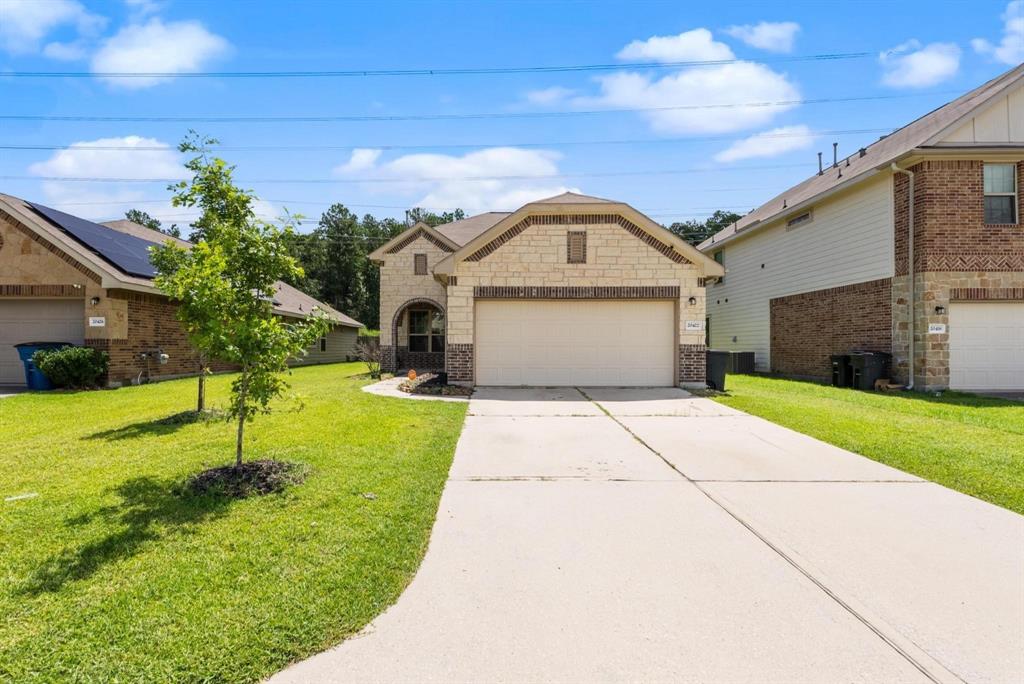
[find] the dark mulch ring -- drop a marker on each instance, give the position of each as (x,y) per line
(435,384)
(252,478)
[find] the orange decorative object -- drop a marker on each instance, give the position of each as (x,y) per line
(412,374)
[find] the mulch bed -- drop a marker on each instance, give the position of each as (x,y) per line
(252,478)
(434,384)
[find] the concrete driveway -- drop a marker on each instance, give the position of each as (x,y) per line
(646,535)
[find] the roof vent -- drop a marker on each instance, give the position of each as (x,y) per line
(820,171)
(863,151)
(835,155)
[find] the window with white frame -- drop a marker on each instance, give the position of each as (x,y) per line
(1000,182)
(426,330)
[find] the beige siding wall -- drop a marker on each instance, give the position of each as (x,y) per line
(399,283)
(1002,121)
(537,256)
(849,241)
(341,346)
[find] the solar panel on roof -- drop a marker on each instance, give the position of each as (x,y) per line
(127,252)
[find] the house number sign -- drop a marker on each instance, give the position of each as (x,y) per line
(97,321)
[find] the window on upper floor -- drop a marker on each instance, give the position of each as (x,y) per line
(576,247)
(1000,182)
(420,264)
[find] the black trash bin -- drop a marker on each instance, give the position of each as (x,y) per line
(717,363)
(869,367)
(842,373)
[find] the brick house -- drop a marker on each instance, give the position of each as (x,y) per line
(81,285)
(570,290)
(825,267)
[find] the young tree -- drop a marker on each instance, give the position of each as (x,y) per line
(144,219)
(225,284)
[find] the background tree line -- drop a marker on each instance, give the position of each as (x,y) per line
(334,255)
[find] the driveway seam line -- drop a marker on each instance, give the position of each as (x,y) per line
(789,559)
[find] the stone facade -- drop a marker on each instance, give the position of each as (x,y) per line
(400,287)
(807,328)
(532,259)
(954,252)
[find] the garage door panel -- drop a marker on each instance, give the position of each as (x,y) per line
(35,320)
(575,343)
(986,346)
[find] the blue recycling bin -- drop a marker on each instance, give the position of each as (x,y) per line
(34,377)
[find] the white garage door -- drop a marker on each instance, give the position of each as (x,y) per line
(35,320)
(986,346)
(588,343)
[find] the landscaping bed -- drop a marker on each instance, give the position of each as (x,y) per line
(433,384)
(966,442)
(116,569)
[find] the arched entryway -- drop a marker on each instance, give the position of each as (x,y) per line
(418,336)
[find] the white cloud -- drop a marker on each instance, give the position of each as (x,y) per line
(361,160)
(25,23)
(65,52)
(912,66)
(86,159)
(174,47)
(451,178)
(549,96)
(1010,49)
(774,36)
(768,144)
(726,84)
(690,46)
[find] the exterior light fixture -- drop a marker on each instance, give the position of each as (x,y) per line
(940,310)
(94,301)
(692,300)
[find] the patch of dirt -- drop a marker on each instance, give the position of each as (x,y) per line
(252,478)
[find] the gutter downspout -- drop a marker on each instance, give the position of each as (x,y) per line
(910,271)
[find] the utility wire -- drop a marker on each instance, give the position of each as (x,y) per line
(445,117)
(317,148)
(830,57)
(423,179)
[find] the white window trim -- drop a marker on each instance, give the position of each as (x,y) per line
(1014,194)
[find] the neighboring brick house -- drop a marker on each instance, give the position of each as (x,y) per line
(823,268)
(571,290)
(57,286)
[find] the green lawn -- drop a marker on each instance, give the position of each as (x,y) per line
(110,574)
(969,443)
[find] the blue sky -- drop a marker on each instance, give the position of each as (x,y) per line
(679,163)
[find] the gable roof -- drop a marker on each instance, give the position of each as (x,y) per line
(574,204)
(870,160)
(462,231)
(408,236)
(87,241)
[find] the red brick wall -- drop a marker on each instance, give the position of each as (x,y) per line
(692,363)
(807,328)
(949,221)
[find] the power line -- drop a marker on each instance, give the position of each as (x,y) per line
(447,117)
(317,148)
(458,71)
(423,179)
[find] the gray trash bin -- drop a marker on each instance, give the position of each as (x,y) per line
(717,363)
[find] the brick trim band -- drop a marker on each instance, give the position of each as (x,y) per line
(41,291)
(841,289)
(399,246)
(576,292)
(977,261)
(579,220)
(48,246)
(986,294)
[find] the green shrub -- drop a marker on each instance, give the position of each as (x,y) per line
(72,367)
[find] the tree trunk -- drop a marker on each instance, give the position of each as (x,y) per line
(201,398)
(241,419)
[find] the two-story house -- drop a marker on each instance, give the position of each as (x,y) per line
(571,290)
(913,245)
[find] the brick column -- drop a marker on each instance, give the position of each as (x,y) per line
(387,358)
(692,364)
(459,363)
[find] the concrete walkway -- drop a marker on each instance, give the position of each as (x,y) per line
(647,535)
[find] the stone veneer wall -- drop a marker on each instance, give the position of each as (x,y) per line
(809,327)
(953,250)
(535,257)
(399,285)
